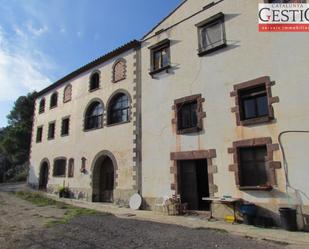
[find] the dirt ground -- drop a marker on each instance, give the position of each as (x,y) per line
(18,217)
(23,225)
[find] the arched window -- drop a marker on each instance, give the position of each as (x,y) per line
(94,81)
(94,116)
(83,165)
(67,93)
(53,100)
(119,70)
(42,106)
(118,109)
(71,168)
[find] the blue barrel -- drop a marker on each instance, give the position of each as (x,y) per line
(249,213)
(248,209)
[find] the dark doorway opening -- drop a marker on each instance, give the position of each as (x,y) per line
(103,180)
(43,179)
(193,183)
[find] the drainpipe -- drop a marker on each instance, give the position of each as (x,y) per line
(298,193)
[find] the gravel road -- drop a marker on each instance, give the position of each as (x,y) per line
(111,232)
(22,225)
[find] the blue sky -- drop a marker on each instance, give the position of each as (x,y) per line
(43,40)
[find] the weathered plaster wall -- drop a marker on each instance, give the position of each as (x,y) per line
(118,139)
(249,55)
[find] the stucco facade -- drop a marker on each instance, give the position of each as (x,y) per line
(282,57)
(117,141)
(146,151)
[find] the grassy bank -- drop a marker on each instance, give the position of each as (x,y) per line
(40,200)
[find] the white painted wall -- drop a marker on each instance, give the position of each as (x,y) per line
(249,55)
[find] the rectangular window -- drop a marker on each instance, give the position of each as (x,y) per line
(42,106)
(39,134)
(160,56)
(253,172)
(65,127)
(187,115)
(59,167)
(211,34)
(51,130)
(71,168)
(254,102)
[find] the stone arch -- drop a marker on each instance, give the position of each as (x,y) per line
(94,72)
(53,100)
(87,108)
(103,176)
(119,72)
(67,93)
(44,173)
(91,102)
(111,98)
(42,104)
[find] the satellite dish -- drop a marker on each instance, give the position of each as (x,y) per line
(135,201)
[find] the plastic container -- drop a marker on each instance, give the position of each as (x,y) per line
(288,219)
(229,218)
(249,212)
(248,209)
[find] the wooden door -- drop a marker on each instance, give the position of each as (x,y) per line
(43,176)
(188,184)
(107,181)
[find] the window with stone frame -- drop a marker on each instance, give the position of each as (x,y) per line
(119,70)
(42,106)
(94,83)
(65,126)
(54,100)
(160,56)
(253,103)
(51,130)
(254,165)
(71,168)
(94,116)
(119,109)
(59,169)
(189,114)
(39,134)
(253,100)
(211,34)
(67,93)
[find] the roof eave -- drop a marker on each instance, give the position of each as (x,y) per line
(120,50)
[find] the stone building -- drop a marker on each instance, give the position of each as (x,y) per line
(85,129)
(213,106)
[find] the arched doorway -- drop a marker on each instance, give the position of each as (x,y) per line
(43,180)
(103,179)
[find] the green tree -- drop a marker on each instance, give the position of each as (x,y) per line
(15,139)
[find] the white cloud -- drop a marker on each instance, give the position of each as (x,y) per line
(21,67)
(36,31)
